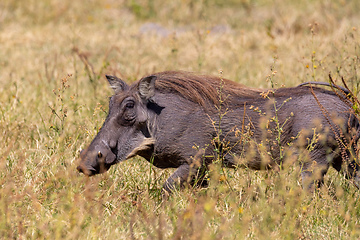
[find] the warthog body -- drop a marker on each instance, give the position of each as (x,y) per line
(185,121)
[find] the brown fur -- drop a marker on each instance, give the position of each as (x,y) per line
(201,89)
(204,89)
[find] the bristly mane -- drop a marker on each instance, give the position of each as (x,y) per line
(201,89)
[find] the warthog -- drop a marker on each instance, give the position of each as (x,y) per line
(185,121)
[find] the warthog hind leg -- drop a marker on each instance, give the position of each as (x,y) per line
(313,171)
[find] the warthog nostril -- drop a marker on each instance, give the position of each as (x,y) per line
(79,169)
(99,154)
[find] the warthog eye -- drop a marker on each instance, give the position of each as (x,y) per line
(130,105)
(99,154)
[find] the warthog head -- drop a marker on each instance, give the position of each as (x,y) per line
(124,133)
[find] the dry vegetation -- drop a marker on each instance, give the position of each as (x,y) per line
(53,99)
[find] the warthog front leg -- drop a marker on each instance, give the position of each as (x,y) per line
(185,174)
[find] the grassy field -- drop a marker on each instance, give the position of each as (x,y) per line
(53,100)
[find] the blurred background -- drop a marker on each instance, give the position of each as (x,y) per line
(54,55)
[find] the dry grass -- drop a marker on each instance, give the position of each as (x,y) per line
(53,99)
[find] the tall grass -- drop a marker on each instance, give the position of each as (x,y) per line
(53,100)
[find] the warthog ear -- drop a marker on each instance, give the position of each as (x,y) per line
(116,83)
(147,87)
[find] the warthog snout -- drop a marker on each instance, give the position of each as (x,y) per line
(80,168)
(96,161)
